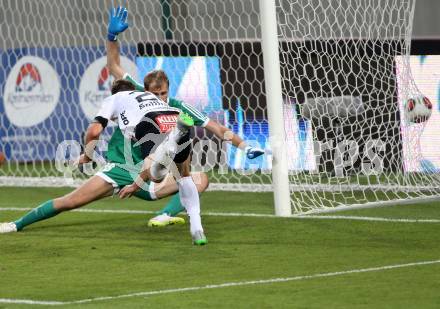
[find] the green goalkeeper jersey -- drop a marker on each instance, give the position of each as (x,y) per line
(115,150)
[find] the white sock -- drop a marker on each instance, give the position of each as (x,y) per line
(173,137)
(158,171)
(189,197)
(165,153)
(177,133)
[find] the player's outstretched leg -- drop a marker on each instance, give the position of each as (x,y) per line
(167,216)
(167,150)
(187,189)
(95,188)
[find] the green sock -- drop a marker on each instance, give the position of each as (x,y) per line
(44,211)
(173,207)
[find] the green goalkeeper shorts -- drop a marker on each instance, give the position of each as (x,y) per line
(119,177)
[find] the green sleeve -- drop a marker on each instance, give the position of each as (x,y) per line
(138,86)
(200,119)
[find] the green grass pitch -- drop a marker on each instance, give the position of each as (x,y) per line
(77,256)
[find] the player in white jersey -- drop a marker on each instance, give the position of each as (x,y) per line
(143,117)
(138,115)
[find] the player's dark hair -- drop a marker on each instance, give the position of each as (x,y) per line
(155,78)
(121,85)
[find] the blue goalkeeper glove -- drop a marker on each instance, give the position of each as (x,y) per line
(252,153)
(117,22)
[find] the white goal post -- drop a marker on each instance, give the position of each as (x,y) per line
(320,84)
(272,74)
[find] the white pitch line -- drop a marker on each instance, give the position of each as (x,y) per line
(249,215)
(30,302)
(218,286)
(374,219)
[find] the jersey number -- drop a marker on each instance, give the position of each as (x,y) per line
(144,98)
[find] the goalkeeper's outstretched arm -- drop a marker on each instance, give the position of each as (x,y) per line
(225,134)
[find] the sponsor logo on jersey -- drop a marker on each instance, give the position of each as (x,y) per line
(124,118)
(32,90)
(166,122)
(96,83)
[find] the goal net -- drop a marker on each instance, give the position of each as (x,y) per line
(345,81)
(346,65)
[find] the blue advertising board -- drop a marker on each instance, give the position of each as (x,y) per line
(42,103)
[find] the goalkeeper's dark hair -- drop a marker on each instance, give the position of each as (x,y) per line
(155,79)
(122,85)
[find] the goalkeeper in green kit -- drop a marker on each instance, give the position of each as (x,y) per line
(157,82)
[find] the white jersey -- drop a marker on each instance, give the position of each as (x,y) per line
(128,108)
